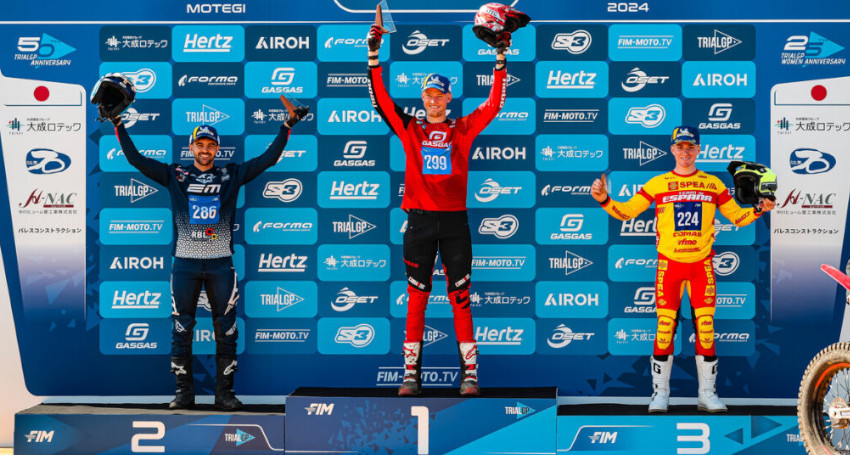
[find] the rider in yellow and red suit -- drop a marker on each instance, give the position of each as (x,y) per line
(685,203)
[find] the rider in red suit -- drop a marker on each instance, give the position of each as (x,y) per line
(437,151)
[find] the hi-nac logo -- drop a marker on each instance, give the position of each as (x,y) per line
(417,42)
(647,116)
(570,263)
(207,115)
(644,153)
(810,161)
(358,336)
(143,80)
(811,49)
(43,50)
(636,79)
(726,263)
(563,336)
(346,299)
(281,299)
(354,227)
(503,227)
(490,190)
(575,43)
(288,190)
(135,190)
(46,161)
(719,42)
(40,200)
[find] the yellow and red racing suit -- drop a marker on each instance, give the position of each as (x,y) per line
(684,209)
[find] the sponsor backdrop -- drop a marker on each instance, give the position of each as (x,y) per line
(561,294)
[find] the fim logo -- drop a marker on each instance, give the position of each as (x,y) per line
(320,409)
(603,437)
(240,437)
(520,410)
(39,436)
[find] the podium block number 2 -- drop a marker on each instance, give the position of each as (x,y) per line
(421,414)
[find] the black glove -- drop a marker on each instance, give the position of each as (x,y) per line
(373,39)
(300,112)
(503,42)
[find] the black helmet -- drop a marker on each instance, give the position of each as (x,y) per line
(112,94)
(752,181)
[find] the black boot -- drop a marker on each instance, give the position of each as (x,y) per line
(225,397)
(185,396)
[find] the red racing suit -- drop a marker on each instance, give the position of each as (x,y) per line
(435,186)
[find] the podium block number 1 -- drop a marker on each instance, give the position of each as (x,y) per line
(421,414)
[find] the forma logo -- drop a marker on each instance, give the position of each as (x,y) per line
(417,42)
(563,335)
(490,190)
(286,191)
(575,43)
(283,226)
(636,262)
(637,79)
(573,190)
(648,116)
(209,81)
(810,161)
(143,80)
(503,227)
(358,336)
(46,161)
(726,263)
(215,8)
(346,299)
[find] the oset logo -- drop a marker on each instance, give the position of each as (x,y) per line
(346,299)
(358,336)
(563,335)
(637,79)
(575,43)
(490,190)
(131,116)
(46,161)
(810,161)
(417,42)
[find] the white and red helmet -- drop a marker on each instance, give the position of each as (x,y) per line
(493,20)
